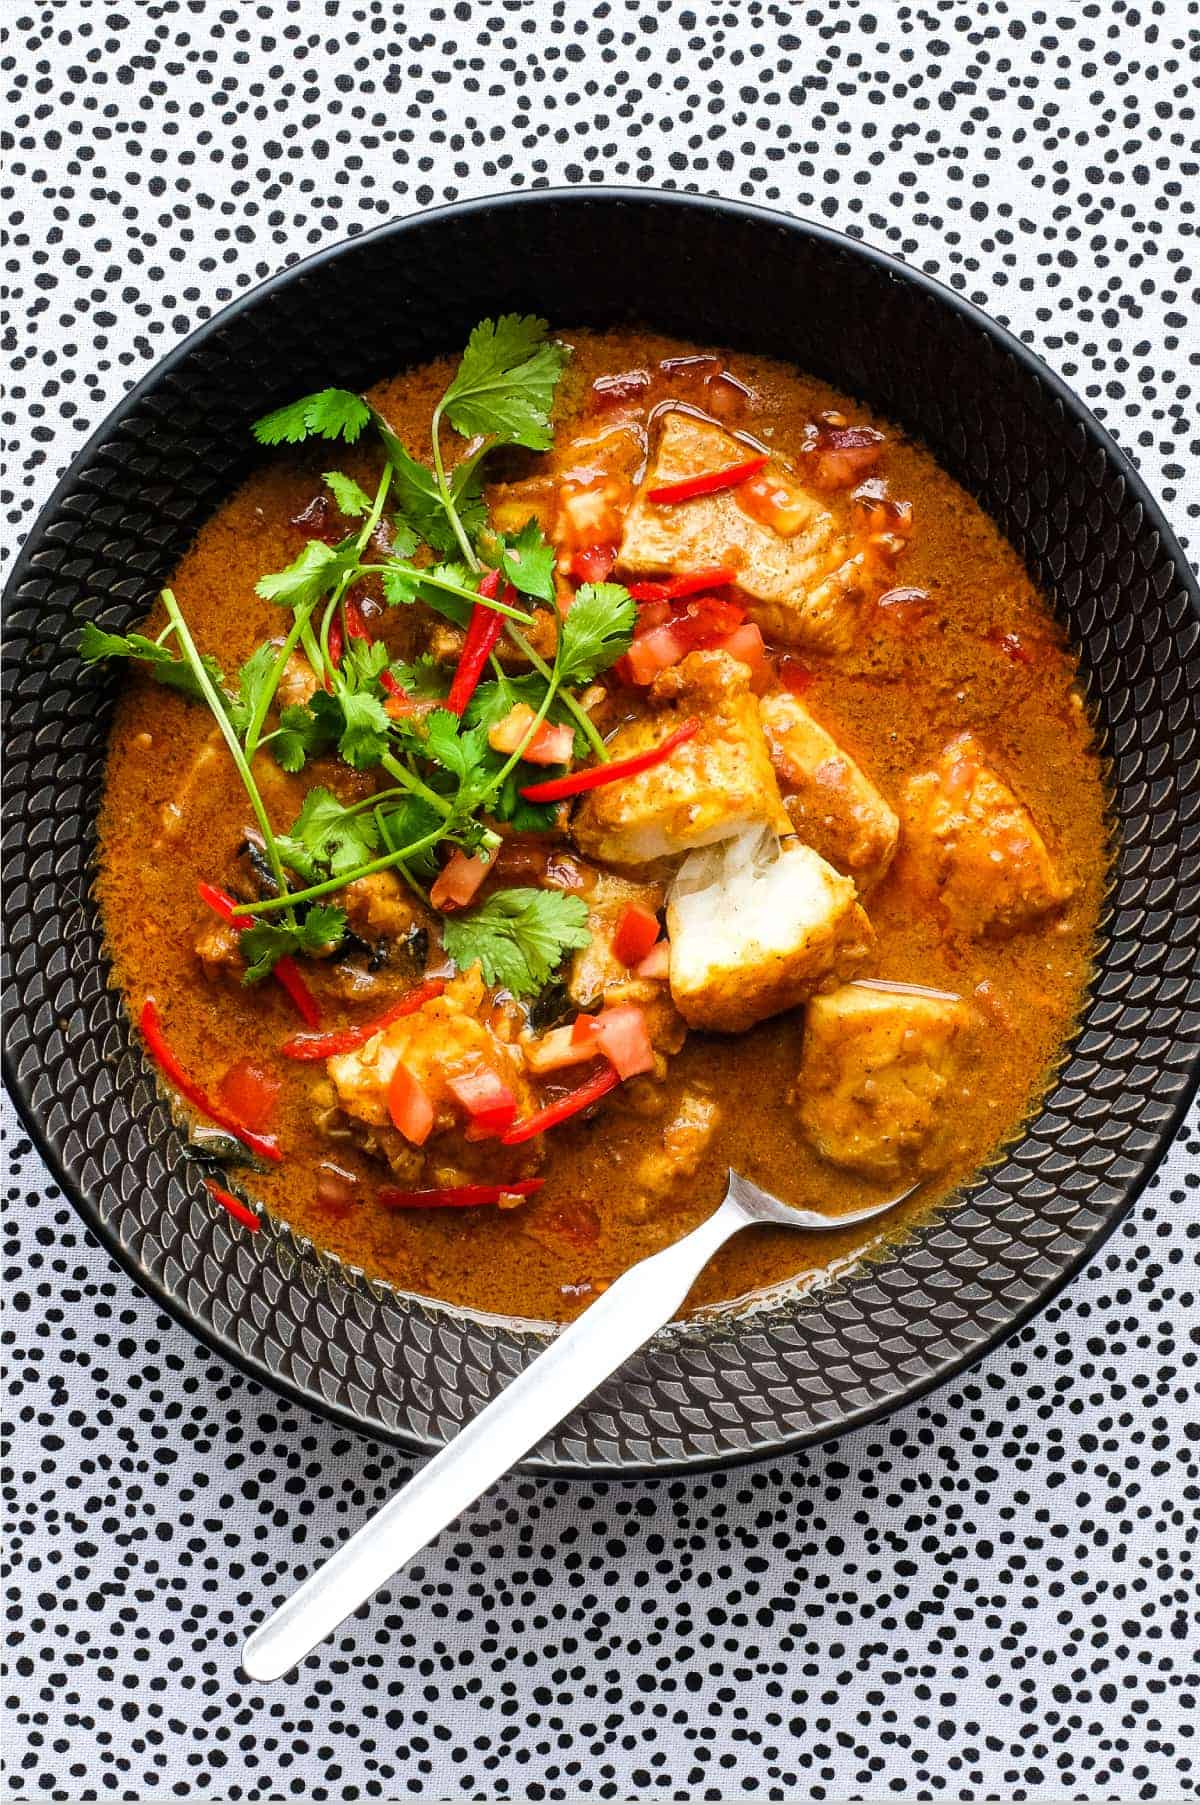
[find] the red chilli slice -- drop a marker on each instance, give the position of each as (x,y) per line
(596,775)
(265,1145)
(456,1197)
(484,630)
(554,1113)
(710,483)
(286,972)
(345,1040)
(241,1212)
(673,589)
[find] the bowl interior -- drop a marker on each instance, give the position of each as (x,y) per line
(727,1386)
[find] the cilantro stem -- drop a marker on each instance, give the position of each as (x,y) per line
(208,690)
(406,874)
(414,785)
(581,715)
(515,758)
(447,500)
(254,730)
(312,652)
(349,576)
(330,884)
(459,589)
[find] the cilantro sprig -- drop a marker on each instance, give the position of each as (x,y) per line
(444,785)
(518,937)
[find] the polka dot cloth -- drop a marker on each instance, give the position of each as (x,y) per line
(993,1593)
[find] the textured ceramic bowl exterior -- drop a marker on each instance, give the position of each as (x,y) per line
(411,1370)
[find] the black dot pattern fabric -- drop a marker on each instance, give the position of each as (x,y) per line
(992,1594)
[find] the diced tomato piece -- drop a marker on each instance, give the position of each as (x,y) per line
(583,1031)
(487,1100)
(624,1039)
(844,454)
(550,745)
(796,678)
(409,1106)
(508,732)
(593,564)
(337,1189)
(611,391)
(458,880)
(558,1049)
(745,644)
(249,1091)
(705,616)
(657,963)
(652,652)
(1012,645)
(636,933)
(653,613)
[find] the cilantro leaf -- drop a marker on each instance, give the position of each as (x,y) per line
(309,576)
(462,754)
(330,414)
(266,942)
(350,498)
(426,678)
(365,729)
(96,644)
(508,804)
(504,386)
(409,820)
(494,699)
(420,503)
(404,540)
(362,661)
(528,562)
(253,681)
(326,839)
(306,730)
(519,937)
(404,583)
(595,631)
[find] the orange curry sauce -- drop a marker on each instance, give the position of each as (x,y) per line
(964,641)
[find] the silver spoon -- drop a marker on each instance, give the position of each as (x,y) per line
(576,1361)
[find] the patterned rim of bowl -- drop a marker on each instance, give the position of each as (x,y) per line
(726,1386)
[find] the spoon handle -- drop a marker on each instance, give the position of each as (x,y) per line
(576,1361)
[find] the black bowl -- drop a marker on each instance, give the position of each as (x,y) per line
(411,1370)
